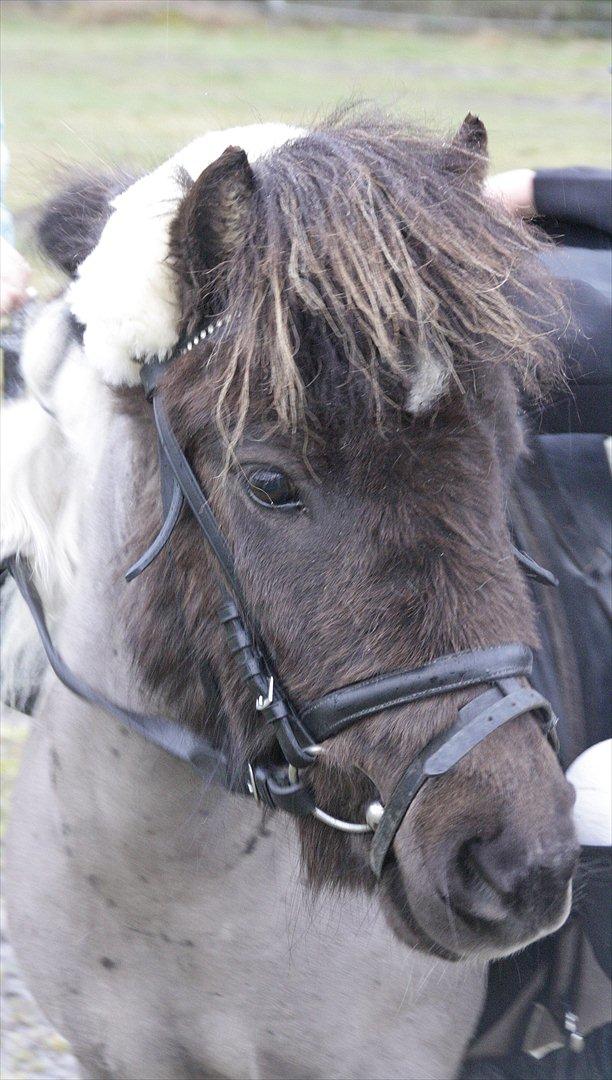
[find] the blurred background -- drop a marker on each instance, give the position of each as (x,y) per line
(106,82)
(127,82)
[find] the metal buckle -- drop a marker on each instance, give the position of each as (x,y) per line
(575,1039)
(262,702)
(251,785)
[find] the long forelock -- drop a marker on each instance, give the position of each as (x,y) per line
(413,273)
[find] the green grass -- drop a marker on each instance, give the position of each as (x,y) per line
(136,91)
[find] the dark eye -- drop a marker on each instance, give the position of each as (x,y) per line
(273,489)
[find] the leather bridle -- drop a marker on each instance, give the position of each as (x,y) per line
(302,733)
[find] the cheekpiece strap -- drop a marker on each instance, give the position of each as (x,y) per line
(253,663)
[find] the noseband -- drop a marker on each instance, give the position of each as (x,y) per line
(301,733)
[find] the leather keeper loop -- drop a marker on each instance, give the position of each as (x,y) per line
(292,751)
(238,638)
(228,611)
(250,664)
(275,791)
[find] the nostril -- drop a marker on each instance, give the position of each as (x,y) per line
(470,873)
(478,864)
(473,887)
(532,880)
(540,892)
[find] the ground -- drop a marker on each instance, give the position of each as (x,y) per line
(132,92)
(31,1049)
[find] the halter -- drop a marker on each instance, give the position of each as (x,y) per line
(301,733)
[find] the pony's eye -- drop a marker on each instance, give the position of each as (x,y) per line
(273,489)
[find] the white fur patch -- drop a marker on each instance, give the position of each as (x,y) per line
(125,293)
(51,438)
(591,775)
(43,349)
(46,437)
(429,383)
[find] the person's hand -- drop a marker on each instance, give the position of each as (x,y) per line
(14,278)
(515,190)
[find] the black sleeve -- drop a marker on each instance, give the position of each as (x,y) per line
(585,403)
(579,195)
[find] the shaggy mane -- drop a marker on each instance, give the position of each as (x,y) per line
(384,237)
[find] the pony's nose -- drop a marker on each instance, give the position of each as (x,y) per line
(503,877)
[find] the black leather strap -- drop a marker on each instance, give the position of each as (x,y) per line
(170,736)
(507,700)
(273,788)
(341,708)
(198,503)
(533,570)
(245,642)
(272,704)
(164,534)
(269,785)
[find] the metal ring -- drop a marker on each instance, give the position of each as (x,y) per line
(315,749)
(327,819)
(338,823)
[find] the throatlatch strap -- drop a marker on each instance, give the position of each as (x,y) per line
(168,735)
(267,785)
(164,534)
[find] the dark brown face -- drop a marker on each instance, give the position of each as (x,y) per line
(378,301)
(379,553)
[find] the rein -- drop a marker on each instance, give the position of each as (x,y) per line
(300,733)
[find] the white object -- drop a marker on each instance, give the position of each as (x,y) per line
(591,775)
(125,293)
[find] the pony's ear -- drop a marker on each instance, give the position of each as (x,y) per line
(212,219)
(468,151)
(472,135)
